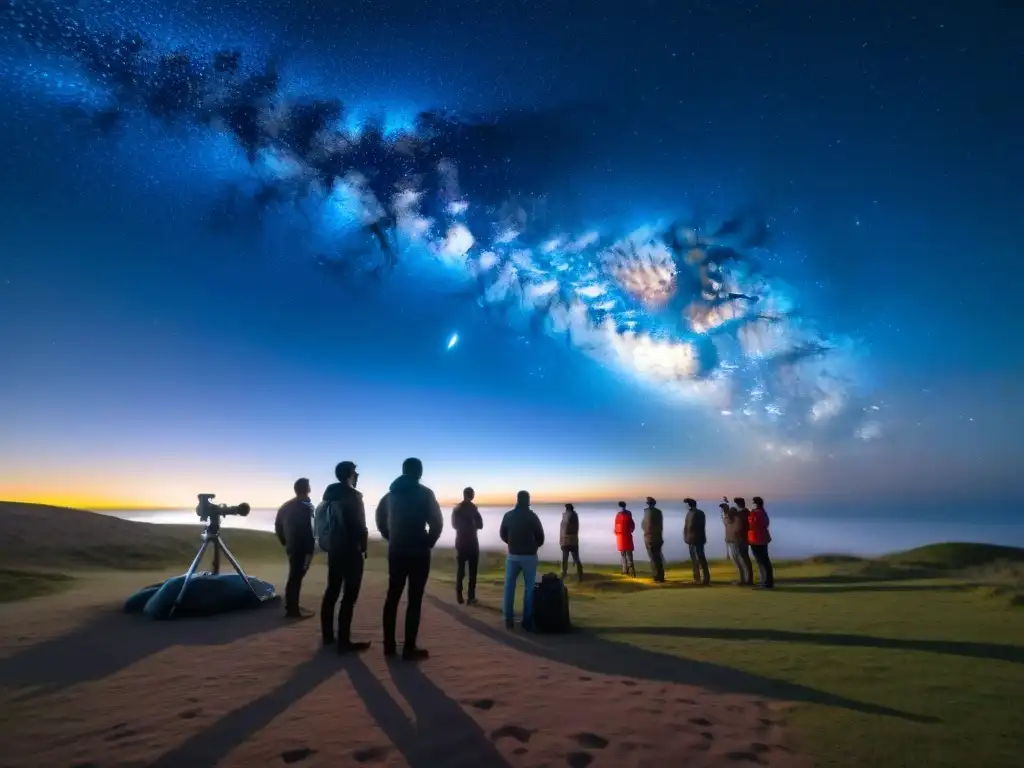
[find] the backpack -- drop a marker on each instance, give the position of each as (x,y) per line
(551,605)
(323,525)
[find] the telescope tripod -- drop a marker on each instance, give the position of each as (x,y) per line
(211,537)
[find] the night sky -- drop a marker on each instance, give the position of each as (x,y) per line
(153,347)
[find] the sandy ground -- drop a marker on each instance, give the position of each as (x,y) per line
(83,685)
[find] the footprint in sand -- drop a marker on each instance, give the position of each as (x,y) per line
(517,732)
(520,751)
(579,759)
(483,704)
(685,701)
(590,740)
(744,757)
(584,677)
(188,714)
(297,755)
(628,682)
(700,721)
(369,754)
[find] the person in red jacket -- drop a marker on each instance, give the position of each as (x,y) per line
(758,537)
(624,527)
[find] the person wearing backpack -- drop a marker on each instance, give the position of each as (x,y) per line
(294,528)
(466,521)
(523,532)
(759,538)
(654,539)
(410,521)
(340,523)
(624,527)
(696,537)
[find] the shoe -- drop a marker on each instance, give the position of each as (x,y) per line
(299,613)
(351,647)
(471,601)
(459,600)
(328,642)
(390,650)
(509,624)
(415,654)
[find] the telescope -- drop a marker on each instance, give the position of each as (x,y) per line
(209,511)
(211,514)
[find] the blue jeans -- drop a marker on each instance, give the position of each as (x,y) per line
(515,565)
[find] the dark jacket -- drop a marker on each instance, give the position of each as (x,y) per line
(409,517)
(695,527)
(569,530)
(294,527)
(653,527)
(466,521)
(522,531)
(348,529)
(736,526)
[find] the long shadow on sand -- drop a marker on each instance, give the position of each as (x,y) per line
(991,651)
(587,651)
(113,641)
(443,733)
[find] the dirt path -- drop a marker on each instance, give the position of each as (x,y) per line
(91,687)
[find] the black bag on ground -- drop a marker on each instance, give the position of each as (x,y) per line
(551,605)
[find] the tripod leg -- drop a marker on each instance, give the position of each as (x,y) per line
(238,568)
(190,573)
(216,555)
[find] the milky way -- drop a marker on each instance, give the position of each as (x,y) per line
(683,307)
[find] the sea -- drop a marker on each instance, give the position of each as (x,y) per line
(798,530)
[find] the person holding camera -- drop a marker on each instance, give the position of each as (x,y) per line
(346,534)
(294,528)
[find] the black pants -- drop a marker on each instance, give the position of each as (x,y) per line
(764,565)
(296,572)
(470,557)
(574,551)
(700,564)
(344,578)
(657,561)
(402,568)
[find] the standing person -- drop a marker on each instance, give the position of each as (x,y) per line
(294,528)
(654,539)
(466,521)
(346,557)
(569,541)
(759,538)
(522,531)
(624,527)
(740,517)
(729,518)
(410,521)
(696,537)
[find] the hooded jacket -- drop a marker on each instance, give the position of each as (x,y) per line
(569,529)
(521,529)
(409,517)
(653,526)
(624,527)
(695,527)
(294,527)
(466,521)
(348,531)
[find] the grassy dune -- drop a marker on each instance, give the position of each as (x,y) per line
(921,652)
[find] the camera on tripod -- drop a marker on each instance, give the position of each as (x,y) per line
(209,511)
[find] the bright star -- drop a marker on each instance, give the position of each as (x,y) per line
(452,341)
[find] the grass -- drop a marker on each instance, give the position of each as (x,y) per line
(21,585)
(936,633)
(938,647)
